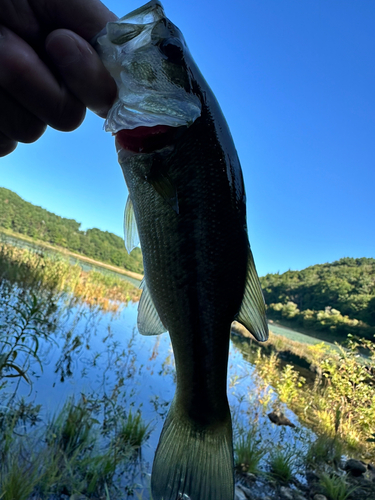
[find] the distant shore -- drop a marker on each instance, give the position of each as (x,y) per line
(68,253)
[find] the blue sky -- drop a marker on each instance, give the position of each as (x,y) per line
(296,82)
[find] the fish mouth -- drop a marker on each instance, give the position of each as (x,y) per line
(151,90)
(147,139)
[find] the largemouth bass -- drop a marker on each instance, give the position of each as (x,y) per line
(187,207)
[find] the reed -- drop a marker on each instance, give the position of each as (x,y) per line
(56,275)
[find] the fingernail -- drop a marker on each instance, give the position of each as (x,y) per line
(63,50)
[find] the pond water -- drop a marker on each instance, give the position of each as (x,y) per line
(102,356)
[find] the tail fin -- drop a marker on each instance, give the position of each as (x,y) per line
(192,463)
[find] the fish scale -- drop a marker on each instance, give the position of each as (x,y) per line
(187,197)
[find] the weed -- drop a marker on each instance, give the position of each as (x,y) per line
(282,463)
(17,479)
(71,430)
(54,274)
(25,320)
(132,431)
(341,404)
(248,452)
(324,449)
(335,487)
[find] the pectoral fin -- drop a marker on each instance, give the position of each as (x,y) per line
(131,237)
(252,314)
(163,185)
(148,320)
(159,179)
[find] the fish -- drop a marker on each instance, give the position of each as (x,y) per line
(187,210)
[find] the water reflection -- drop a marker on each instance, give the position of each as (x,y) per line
(73,350)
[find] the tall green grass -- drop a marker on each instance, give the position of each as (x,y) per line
(341,402)
(70,455)
(55,275)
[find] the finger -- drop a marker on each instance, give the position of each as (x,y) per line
(29,81)
(6,145)
(18,16)
(82,70)
(17,123)
(84,17)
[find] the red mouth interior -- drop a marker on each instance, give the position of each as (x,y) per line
(146,139)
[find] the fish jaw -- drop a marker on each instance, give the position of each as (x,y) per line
(144,53)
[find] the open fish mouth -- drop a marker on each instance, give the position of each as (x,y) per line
(147,139)
(148,94)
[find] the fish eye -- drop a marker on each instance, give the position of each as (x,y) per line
(172,49)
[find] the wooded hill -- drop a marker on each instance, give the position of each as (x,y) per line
(337,297)
(27,219)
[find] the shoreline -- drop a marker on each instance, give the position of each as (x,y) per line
(69,253)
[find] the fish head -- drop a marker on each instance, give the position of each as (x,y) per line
(148,57)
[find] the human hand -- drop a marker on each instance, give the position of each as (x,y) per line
(49,73)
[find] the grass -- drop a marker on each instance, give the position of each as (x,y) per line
(335,487)
(55,275)
(282,463)
(324,450)
(248,452)
(70,455)
(339,403)
(18,479)
(132,430)
(88,447)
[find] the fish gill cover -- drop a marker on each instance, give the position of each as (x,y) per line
(146,94)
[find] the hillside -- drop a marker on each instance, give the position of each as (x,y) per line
(27,219)
(338,297)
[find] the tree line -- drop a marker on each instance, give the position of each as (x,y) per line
(336,297)
(25,218)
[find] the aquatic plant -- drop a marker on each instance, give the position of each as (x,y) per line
(54,274)
(25,320)
(132,430)
(72,454)
(249,451)
(18,478)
